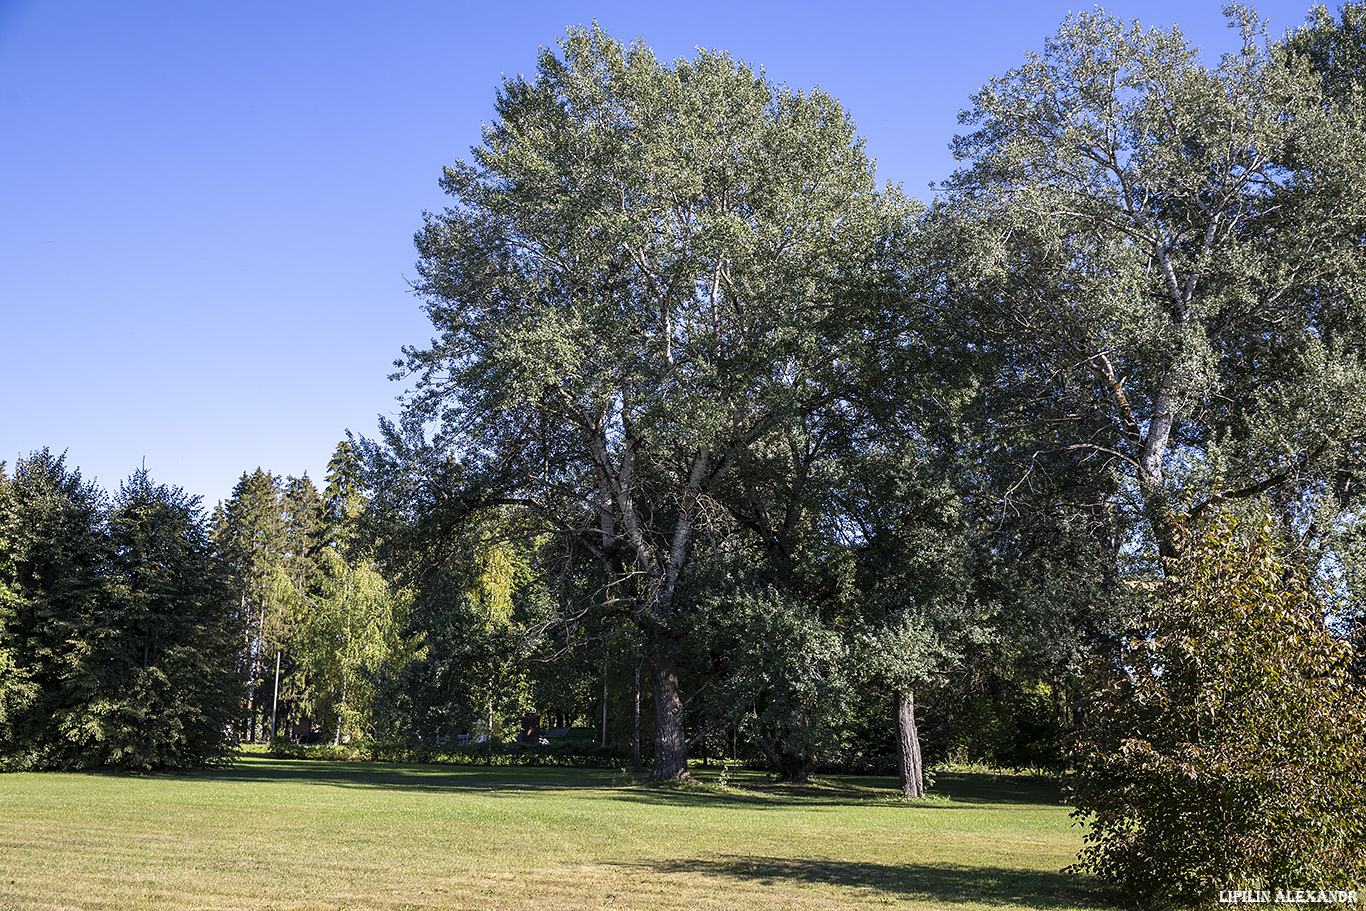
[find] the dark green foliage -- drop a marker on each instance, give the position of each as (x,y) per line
(56,615)
(1228,749)
(170,666)
(249,532)
(567,754)
(116,644)
(775,669)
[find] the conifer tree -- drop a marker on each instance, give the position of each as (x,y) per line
(249,531)
(168,667)
(53,612)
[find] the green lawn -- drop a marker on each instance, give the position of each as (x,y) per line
(317,835)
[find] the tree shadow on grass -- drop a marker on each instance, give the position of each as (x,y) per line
(982,787)
(951,791)
(936,883)
(408,776)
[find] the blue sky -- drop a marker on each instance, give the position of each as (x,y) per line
(207,210)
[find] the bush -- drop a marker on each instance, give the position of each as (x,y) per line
(568,755)
(1228,751)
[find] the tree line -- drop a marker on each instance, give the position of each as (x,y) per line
(721,446)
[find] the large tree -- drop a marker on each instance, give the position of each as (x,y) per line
(644,290)
(250,533)
(53,606)
(117,643)
(168,681)
(1162,257)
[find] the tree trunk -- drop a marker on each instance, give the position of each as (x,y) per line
(912,772)
(796,769)
(790,768)
(671,746)
(635,743)
(275,701)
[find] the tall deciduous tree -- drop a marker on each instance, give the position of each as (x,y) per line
(1164,259)
(645,283)
(346,618)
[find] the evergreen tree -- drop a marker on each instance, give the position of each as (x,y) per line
(116,642)
(54,613)
(250,534)
(169,666)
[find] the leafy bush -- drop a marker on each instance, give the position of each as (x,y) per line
(570,755)
(1228,752)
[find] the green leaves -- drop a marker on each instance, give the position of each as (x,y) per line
(1152,254)
(1228,753)
(117,646)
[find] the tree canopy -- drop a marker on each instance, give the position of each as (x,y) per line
(645,296)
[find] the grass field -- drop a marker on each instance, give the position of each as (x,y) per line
(272,834)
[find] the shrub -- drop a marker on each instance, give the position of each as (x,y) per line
(1227,753)
(569,755)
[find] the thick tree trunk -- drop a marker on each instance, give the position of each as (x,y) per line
(790,768)
(912,772)
(795,769)
(671,746)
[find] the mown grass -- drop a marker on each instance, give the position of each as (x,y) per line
(275,834)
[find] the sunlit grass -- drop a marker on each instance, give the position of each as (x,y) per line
(269,834)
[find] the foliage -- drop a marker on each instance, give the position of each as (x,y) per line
(116,642)
(169,680)
(1229,751)
(347,619)
(250,534)
(644,296)
(52,535)
(477,606)
(775,668)
(1160,264)
(1335,50)
(575,755)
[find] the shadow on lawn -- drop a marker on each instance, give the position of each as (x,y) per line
(951,791)
(406,777)
(932,882)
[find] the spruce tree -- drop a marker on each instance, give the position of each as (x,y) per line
(249,532)
(169,664)
(54,612)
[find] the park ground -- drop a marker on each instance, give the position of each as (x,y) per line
(324,836)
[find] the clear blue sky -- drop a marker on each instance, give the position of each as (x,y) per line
(207,209)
